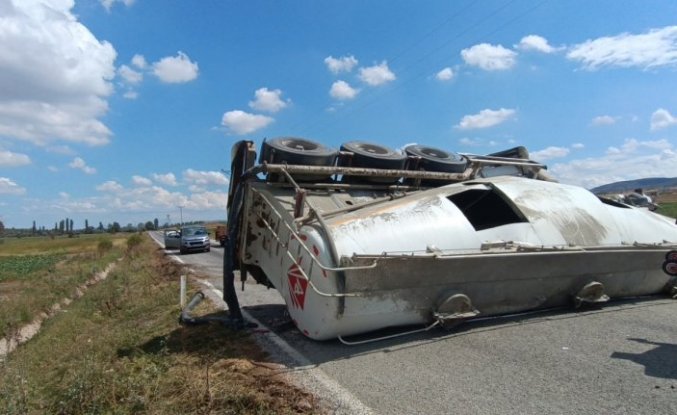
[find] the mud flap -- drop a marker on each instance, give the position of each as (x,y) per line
(453,309)
(591,293)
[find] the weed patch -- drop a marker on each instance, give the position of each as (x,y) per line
(119,349)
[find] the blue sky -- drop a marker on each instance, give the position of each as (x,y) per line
(122,110)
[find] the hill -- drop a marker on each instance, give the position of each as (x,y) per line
(651,183)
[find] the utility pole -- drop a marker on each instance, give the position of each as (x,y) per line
(181,214)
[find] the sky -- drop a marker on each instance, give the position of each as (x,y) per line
(126,110)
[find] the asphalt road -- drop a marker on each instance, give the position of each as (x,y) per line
(621,359)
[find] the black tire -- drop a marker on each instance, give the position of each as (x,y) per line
(373,156)
(434,159)
(514,153)
(293,150)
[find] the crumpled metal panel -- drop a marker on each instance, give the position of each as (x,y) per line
(412,224)
(562,214)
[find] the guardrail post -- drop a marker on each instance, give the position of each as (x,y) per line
(182,292)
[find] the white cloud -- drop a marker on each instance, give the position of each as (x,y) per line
(619,163)
(131,95)
(141,181)
(445,74)
(657,47)
(267,100)
(661,118)
(486,118)
(9,159)
(167,179)
(535,43)
(205,177)
(54,75)
(548,153)
(130,75)
(109,186)
(471,142)
(489,57)
(341,90)
(61,149)
(604,120)
(108,4)
(342,64)
(241,122)
(79,163)
(377,74)
(139,61)
(176,69)
(578,146)
(9,187)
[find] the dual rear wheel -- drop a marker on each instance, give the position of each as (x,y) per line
(294,150)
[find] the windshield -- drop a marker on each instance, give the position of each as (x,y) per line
(194,231)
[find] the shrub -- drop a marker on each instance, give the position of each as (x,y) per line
(133,242)
(104,246)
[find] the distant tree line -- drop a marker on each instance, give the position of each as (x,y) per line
(66,226)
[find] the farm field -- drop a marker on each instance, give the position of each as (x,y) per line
(38,272)
(667,204)
(120,349)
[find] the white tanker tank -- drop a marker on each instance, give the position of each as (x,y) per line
(366,238)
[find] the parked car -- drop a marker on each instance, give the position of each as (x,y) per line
(194,238)
(172,239)
(220,234)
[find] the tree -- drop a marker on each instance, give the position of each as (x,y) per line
(34,230)
(61,225)
(70,228)
(150,225)
(2,227)
(101,226)
(156,223)
(86,226)
(115,227)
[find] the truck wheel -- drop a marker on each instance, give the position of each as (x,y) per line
(373,156)
(292,150)
(434,159)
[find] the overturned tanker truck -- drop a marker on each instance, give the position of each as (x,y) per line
(366,238)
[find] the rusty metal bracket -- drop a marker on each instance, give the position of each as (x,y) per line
(453,309)
(591,293)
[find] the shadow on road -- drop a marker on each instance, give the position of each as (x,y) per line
(318,352)
(658,362)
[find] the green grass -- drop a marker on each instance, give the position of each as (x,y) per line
(668,209)
(40,245)
(31,284)
(120,350)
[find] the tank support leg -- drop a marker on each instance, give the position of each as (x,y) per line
(229,294)
(591,293)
